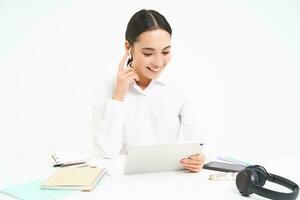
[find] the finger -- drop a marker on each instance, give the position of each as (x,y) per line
(195,166)
(122,62)
(190,161)
(133,75)
(197,157)
(193,160)
(194,170)
(127,69)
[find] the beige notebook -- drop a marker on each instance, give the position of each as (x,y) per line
(72,178)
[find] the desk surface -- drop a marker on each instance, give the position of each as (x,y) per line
(16,169)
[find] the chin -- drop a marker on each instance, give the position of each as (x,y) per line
(153,76)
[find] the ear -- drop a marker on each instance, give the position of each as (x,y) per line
(128,48)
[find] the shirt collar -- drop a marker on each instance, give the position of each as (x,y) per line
(162,80)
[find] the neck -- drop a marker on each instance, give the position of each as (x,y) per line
(143,82)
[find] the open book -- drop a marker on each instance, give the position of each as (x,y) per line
(74,178)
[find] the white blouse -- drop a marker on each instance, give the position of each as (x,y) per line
(161,113)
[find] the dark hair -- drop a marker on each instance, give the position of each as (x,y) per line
(145,20)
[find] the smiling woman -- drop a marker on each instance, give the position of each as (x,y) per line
(140,106)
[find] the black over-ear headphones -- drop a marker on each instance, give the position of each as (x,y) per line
(252,179)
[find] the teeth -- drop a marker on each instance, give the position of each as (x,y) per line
(156,70)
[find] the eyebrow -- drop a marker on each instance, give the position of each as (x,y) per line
(152,49)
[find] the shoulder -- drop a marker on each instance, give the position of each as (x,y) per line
(178,83)
(181,85)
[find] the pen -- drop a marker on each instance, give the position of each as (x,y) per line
(232,160)
(66,165)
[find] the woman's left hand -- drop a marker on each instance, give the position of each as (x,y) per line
(194,163)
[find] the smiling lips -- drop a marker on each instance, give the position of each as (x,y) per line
(154,70)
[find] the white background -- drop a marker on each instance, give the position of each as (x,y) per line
(242,57)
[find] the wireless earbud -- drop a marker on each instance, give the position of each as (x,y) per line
(129,54)
(129,60)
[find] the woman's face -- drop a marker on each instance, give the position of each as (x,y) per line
(151,53)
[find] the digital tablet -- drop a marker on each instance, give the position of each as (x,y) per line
(159,157)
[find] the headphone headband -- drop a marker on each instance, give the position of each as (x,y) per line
(250,176)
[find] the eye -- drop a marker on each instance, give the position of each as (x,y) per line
(166,52)
(147,54)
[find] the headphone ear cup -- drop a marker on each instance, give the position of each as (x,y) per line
(262,174)
(243,182)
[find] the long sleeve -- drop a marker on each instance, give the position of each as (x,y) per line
(108,119)
(189,115)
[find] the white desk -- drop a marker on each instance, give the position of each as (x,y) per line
(16,169)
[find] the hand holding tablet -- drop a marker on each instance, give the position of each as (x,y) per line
(194,163)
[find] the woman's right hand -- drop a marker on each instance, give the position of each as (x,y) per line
(125,77)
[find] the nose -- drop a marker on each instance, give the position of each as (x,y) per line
(158,62)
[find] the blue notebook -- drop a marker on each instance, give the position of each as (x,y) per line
(33,191)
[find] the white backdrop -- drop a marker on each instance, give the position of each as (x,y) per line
(243,58)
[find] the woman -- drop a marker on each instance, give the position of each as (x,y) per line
(140,106)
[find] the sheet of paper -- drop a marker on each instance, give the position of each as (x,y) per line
(69,156)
